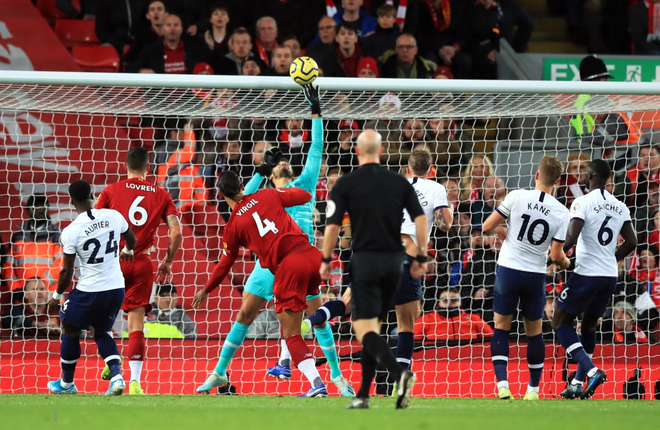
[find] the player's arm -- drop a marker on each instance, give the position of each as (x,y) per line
(221,270)
(64,279)
(310,174)
(131,242)
(293,196)
(558,256)
(334,217)
(165,267)
(493,221)
(574,230)
(630,241)
(443,218)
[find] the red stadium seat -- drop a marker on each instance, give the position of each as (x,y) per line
(76,32)
(50,12)
(96,58)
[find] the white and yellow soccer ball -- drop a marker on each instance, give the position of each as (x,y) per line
(304,70)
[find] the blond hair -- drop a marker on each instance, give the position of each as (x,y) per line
(550,170)
(466,181)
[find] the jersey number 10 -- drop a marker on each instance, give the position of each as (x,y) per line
(530,233)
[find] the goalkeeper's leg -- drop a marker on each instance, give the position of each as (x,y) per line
(258,289)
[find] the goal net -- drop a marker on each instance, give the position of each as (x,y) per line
(485,138)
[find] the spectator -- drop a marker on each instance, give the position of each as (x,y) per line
(87,9)
(493,193)
(293,17)
(367,68)
(342,154)
(155,15)
(323,46)
(479,168)
(646,271)
(484,46)
(548,313)
(347,54)
(292,43)
(216,36)
(387,31)
(653,238)
(257,156)
(451,186)
(625,330)
(516,16)
(171,54)
(450,322)
(643,216)
(251,67)
(405,63)
(167,319)
(478,280)
(444,31)
(193,14)
(282,60)
(637,178)
(294,142)
(265,40)
(34,251)
(573,183)
(240,47)
(406,12)
(352,13)
(644,19)
(118,23)
(32,317)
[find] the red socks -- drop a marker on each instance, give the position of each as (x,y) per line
(136,345)
(298,349)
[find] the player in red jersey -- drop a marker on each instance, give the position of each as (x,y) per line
(260,223)
(143,205)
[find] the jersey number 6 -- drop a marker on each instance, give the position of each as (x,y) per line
(137,209)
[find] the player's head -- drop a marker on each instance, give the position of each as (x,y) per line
(80,192)
(166,297)
(283,170)
(369,146)
(230,185)
(419,163)
(549,171)
(598,173)
(137,160)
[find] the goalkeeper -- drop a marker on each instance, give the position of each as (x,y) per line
(259,287)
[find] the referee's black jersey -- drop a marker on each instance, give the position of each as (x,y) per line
(374,198)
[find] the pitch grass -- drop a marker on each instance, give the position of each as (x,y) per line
(266,413)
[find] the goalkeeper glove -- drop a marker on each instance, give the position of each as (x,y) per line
(312,95)
(272,158)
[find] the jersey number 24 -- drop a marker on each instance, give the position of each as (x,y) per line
(111,247)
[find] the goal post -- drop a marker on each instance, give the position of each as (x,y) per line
(485,137)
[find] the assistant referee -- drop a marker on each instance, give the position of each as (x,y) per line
(374,198)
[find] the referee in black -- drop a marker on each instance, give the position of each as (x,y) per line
(374,198)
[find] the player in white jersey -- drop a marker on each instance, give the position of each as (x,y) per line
(433,198)
(597,219)
(94,238)
(537,221)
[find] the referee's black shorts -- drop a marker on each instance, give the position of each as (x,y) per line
(375,278)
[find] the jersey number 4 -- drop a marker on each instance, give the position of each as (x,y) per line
(264,226)
(532,228)
(110,248)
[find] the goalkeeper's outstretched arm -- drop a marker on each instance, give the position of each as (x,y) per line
(310,174)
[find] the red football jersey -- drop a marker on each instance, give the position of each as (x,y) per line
(259,223)
(142,204)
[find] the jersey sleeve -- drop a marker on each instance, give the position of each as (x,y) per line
(627,217)
(440,199)
(508,204)
(337,205)
(579,209)
(68,242)
(562,228)
(170,207)
(411,202)
(292,196)
(103,202)
(122,222)
(253,184)
(227,259)
(310,174)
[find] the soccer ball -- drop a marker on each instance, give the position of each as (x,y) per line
(304,70)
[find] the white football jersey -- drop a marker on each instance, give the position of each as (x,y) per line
(94,237)
(603,217)
(431,196)
(535,220)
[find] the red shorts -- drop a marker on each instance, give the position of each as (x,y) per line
(139,280)
(297,277)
